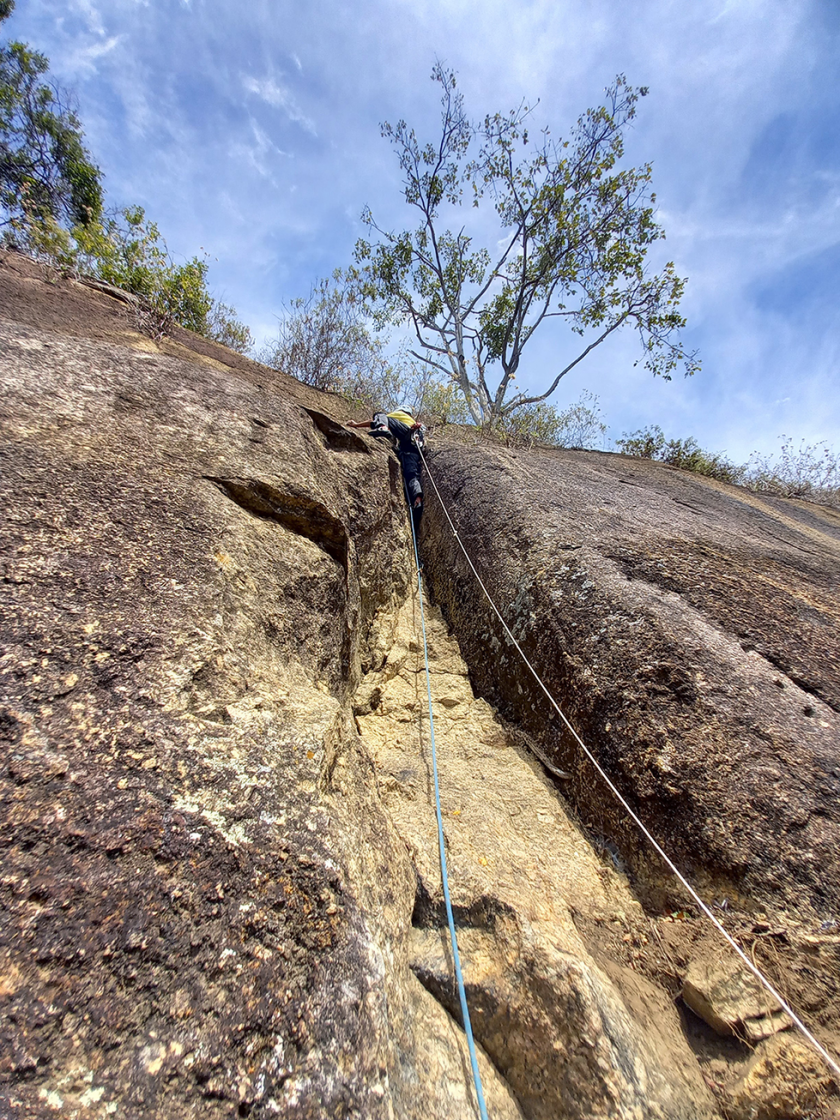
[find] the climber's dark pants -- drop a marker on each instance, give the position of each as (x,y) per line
(412,467)
(409,457)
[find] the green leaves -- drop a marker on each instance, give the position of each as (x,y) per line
(809,471)
(223,326)
(573,229)
(51,205)
(45,170)
(687,454)
(127,250)
(579,426)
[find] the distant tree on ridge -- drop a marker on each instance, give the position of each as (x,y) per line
(571,236)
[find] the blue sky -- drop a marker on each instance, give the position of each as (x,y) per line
(251,129)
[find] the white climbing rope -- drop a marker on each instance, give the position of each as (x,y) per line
(757,973)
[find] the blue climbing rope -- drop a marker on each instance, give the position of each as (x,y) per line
(462,995)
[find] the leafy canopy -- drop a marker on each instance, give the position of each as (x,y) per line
(51,206)
(126,250)
(572,230)
(45,170)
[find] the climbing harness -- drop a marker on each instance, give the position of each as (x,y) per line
(462,995)
(757,973)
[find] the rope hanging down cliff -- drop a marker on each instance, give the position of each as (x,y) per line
(757,973)
(462,995)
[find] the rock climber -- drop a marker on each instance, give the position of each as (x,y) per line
(406,435)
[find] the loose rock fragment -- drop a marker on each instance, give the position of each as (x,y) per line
(724,993)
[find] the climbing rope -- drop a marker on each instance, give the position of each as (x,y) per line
(757,973)
(462,995)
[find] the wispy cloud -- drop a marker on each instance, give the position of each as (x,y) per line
(91,14)
(259,154)
(84,59)
(279,97)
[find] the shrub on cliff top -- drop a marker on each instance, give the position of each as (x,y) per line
(687,454)
(578,426)
(324,341)
(810,471)
(127,250)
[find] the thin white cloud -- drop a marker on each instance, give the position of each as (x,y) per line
(83,60)
(279,97)
(91,14)
(261,151)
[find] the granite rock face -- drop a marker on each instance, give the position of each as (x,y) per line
(723,992)
(782,1081)
(220,891)
(203,900)
(691,631)
(555,1025)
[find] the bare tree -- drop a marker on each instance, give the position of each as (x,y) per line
(324,340)
(323,337)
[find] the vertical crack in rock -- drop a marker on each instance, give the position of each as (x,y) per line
(548,1017)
